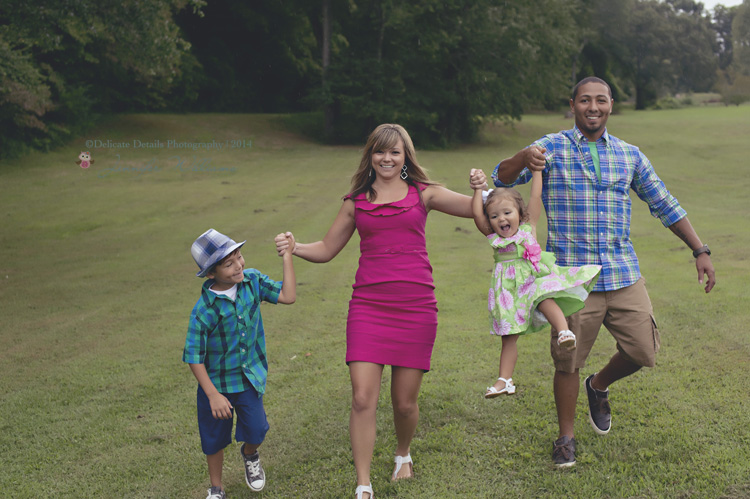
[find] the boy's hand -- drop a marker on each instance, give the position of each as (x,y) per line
(220,406)
(285,242)
(291,242)
(477,179)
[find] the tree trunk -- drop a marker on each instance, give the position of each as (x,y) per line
(326,56)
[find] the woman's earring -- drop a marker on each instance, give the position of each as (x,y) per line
(371,169)
(404,175)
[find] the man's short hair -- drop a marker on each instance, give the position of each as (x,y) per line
(589,79)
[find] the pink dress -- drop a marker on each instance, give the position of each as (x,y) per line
(393,311)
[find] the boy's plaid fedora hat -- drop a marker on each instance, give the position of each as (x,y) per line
(211,247)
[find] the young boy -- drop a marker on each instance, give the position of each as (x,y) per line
(226,350)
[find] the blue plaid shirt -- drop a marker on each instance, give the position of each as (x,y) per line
(228,337)
(588,222)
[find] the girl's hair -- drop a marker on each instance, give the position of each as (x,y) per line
(384,137)
(508,193)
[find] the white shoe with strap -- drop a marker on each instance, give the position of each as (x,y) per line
(493,392)
(400,461)
(361,489)
(566,339)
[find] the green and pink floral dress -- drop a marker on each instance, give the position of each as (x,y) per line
(524,275)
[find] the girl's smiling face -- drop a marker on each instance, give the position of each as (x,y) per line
(504,217)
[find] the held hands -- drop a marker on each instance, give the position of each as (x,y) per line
(477,179)
(285,242)
(533,158)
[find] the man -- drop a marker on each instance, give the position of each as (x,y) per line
(588,175)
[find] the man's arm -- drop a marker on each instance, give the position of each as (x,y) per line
(531,157)
(684,230)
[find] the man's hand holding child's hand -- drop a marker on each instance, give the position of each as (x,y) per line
(285,242)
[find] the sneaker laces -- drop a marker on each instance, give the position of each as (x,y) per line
(253,467)
(564,449)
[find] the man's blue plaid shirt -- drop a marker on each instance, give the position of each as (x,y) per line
(588,221)
(228,336)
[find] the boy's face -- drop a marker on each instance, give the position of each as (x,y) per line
(228,271)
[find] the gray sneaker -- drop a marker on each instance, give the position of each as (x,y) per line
(216,493)
(564,452)
(255,477)
(600,414)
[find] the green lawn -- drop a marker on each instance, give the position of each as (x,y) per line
(97,284)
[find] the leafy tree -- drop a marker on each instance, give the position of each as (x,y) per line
(722,23)
(435,66)
(741,37)
(64,61)
(734,83)
(255,56)
(659,47)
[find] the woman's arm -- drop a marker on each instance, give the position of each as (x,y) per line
(442,199)
(334,241)
(452,203)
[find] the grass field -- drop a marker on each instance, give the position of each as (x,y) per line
(97,282)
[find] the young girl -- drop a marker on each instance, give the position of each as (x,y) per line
(527,290)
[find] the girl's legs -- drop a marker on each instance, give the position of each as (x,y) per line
(554,315)
(405,384)
(365,378)
(508,358)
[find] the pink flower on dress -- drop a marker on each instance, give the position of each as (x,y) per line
(510,273)
(552,285)
(491,299)
(505,299)
(498,269)
(501,329)
(521,316)
(573,271)
(528,287)
(533,253)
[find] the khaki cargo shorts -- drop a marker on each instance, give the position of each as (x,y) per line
(628,316)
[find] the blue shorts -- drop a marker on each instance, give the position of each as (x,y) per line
(216,434)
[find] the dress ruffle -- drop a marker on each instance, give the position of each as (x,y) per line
(411,200)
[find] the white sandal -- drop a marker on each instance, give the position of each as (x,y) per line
(401,460)
(493,392)
(566,339)
(361,489)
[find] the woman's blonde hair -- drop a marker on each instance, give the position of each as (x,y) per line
(384,137)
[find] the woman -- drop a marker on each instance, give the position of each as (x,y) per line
(393,312)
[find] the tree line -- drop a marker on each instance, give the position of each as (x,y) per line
(439,67)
